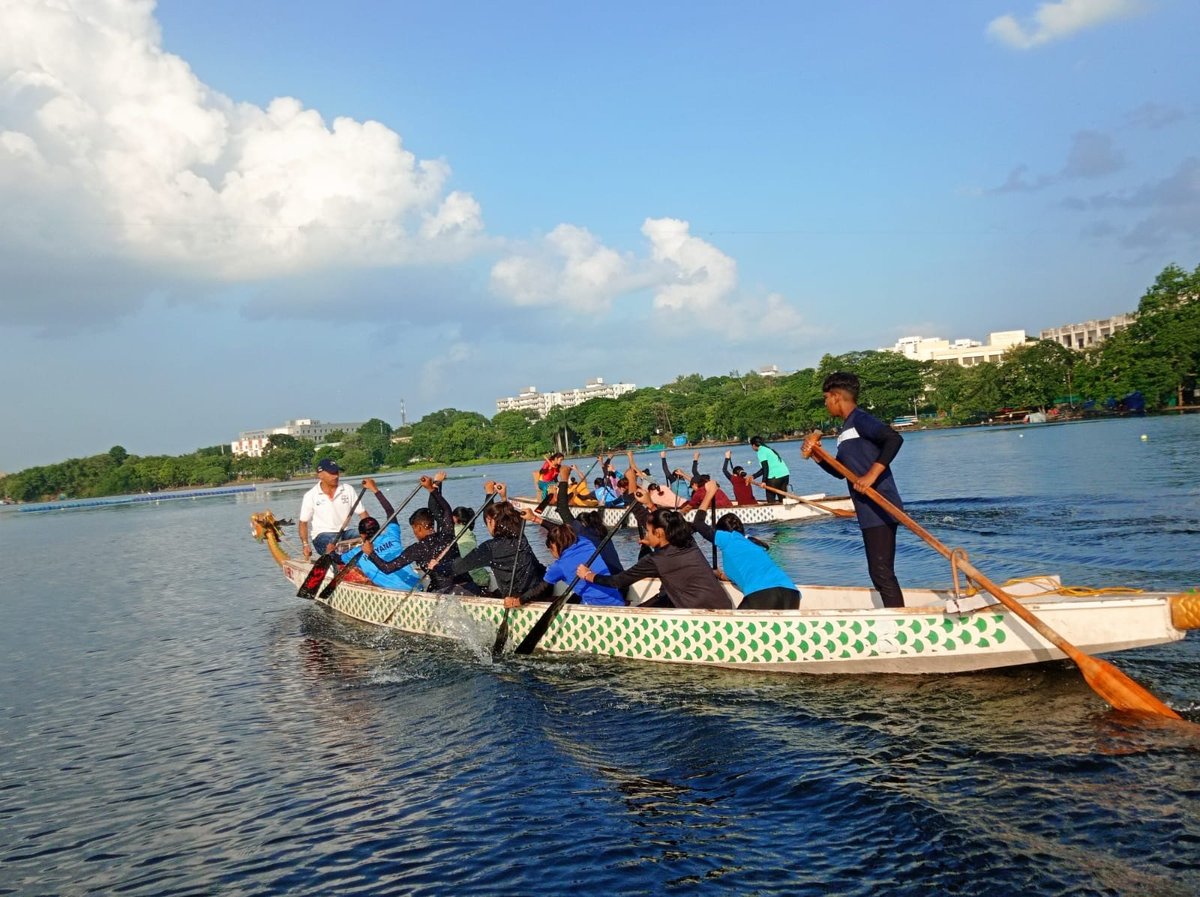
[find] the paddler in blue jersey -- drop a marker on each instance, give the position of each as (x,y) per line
(387,543)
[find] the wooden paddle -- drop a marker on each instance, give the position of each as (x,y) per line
(714,526)
(327,592)
(1105,679)
(316,575)
(437,560)
(539,628)
(836,512)
(502,631)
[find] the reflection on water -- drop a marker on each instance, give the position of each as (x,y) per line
(176,722)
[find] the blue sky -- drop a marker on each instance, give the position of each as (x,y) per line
(223,215)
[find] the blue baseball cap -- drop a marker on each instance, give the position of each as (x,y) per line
(328,465)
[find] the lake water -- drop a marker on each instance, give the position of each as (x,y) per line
(174,721)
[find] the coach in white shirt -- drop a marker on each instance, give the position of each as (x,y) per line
(325,507)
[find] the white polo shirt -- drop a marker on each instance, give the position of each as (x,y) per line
(325,514)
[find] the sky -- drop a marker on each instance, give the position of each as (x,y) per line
(220,216)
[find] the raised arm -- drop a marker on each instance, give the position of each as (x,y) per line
(438,506)
(562,500)
(668,476)
(699,520)
(631,473)
(386,505)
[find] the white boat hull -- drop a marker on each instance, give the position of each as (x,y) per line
(855,636)
(785,511)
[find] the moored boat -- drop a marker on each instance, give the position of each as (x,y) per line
(836,630)
(813,507)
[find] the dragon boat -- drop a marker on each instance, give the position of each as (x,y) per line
(836,630)
(810,507)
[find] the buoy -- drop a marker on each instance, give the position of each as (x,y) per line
(1020,435)
(1145,438)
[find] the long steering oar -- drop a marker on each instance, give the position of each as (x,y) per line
(539,628)
(836,512)
(327,592)
(502,630)
(437,560)
(316,575)
(1105,679)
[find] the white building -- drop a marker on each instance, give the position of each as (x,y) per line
(254,442)
(529,399)
(540,403)
(1089,333)
(965,352)
(770,370)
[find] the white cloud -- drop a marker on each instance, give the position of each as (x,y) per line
(702,275)
(570,265)
(459,215)
(685,277)
(112,147)
(1055,21)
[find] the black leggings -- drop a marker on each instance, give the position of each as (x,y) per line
(880,544)
(777,598)
(780,483)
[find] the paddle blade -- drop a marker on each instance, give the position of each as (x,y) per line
(316,576)
(327,592)
(501,636)
(1118,689)
(543,623)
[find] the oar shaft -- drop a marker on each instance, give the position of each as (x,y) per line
(1106,680)
(353,562)
(543,623)
(437,560)
(502,630)
(836,512)
(320,568)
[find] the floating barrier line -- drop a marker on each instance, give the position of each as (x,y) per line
(133,499)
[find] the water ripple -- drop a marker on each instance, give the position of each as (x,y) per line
(197,730)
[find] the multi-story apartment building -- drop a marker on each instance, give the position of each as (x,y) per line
(540,403)
(1089,333)
(254,442)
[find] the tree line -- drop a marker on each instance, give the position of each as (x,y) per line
(1158,357)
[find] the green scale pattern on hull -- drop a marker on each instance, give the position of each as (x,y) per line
(709,638)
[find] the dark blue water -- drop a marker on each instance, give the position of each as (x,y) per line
(174,721)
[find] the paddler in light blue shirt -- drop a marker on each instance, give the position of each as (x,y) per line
(773,472)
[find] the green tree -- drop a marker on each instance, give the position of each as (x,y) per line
(513,434)
(1166,335)
(890,381)
(1035,374)
(951,391)
(373,439)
